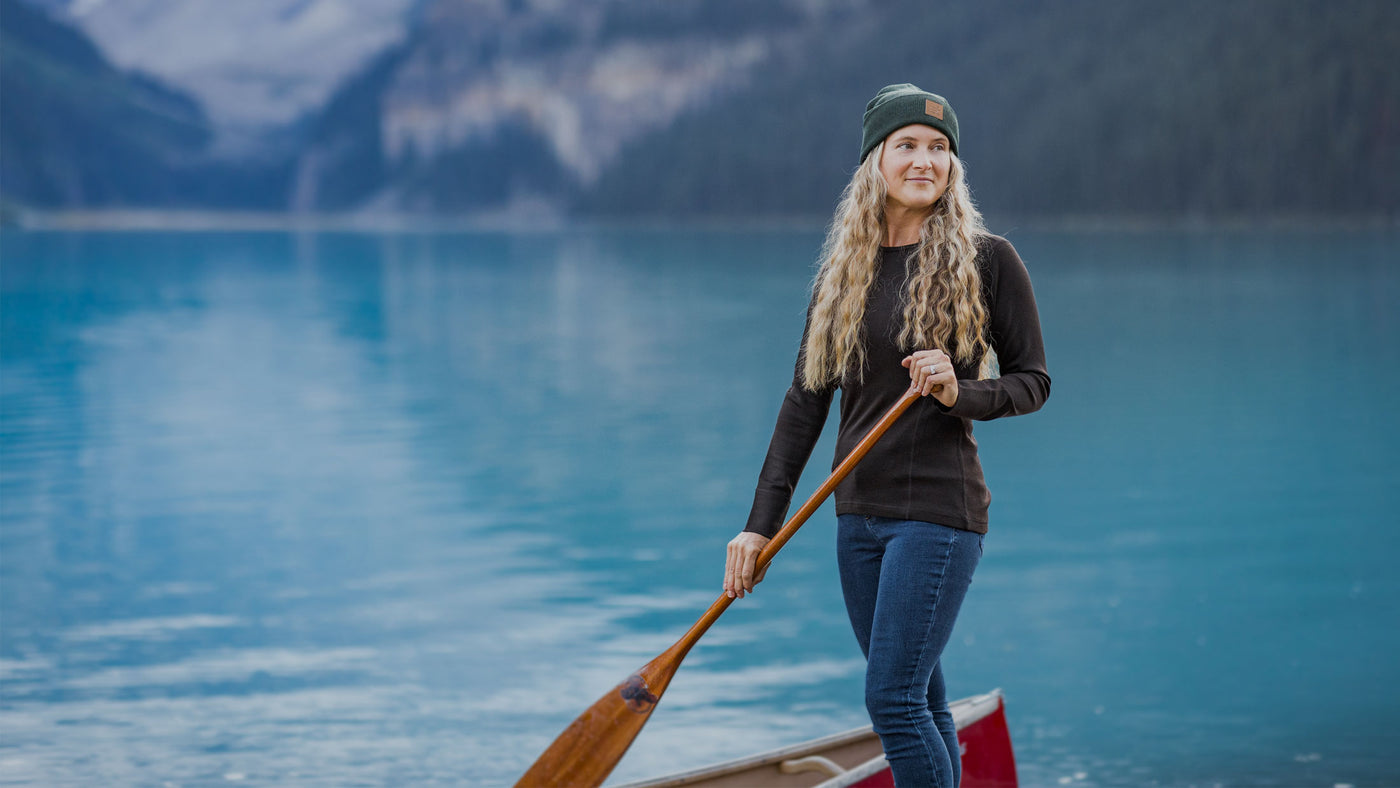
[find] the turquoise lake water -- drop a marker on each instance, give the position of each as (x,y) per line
(356,509)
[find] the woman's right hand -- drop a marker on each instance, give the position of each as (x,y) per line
(741,556)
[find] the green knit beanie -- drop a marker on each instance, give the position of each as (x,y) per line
(897,106)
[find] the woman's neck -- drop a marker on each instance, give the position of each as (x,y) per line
(902,225)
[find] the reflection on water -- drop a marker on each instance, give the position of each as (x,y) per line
(360,509)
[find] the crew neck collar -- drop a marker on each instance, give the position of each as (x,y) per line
(903,248)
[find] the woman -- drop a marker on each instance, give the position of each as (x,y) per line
(912,291)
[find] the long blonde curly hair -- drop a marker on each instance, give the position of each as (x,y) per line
(943,305)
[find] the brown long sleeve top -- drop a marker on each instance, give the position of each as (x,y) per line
(926,467)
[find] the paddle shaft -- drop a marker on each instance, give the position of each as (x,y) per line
(784,534)
(586,752)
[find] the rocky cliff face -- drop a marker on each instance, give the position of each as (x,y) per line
(528,102)
(725,108)
(484,68)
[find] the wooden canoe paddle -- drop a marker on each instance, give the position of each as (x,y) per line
(586,752)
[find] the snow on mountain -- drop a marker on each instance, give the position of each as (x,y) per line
(505,101)
(481,67)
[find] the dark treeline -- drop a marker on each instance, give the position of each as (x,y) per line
(75,131)
(1200,108)
(1154,108)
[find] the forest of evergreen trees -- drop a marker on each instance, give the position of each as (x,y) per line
(1198,108)
(1185,109)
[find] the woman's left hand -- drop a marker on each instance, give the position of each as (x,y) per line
(932,373)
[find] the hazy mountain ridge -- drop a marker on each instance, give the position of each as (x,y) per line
(1230,108)
(76,131)
(253,64)
(727,108)
(502,103)
(1195,108)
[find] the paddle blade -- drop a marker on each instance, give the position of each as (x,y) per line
(586,752)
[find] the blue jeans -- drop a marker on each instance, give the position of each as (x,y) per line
(904,581)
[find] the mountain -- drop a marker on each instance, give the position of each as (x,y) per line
(74,130)
(77,132)
(495,103)
(732,108)
(254,65)
(1189,108)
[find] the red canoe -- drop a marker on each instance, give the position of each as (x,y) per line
(854,760)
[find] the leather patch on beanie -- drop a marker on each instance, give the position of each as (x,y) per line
(933,108)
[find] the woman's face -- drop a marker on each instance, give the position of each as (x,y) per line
(915,164)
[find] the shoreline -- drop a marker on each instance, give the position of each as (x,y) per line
(139,219)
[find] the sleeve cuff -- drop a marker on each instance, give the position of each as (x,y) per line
(971,401)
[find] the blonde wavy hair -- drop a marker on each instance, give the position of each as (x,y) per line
(943,305)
